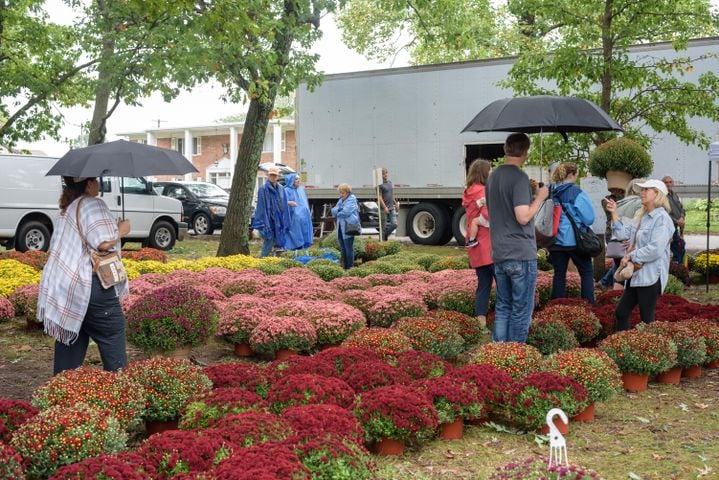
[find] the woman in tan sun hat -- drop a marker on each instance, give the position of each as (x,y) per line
(648,255)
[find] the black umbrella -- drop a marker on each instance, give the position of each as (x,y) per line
(542,113)
(121,159)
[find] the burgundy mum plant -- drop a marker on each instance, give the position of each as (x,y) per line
(419,365)
(517,359)
(343,357)
(304,389)
(399,412)
(453,399)
(365,376)
(324,420)
(253,428)
(269,461)
(238,375)
(13,413)
(127,466)
(11,466)
(331,457)
(217,403)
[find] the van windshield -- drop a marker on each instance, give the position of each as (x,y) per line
(206,190)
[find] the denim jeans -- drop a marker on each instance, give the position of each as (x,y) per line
(267,244)
(389,224)
(347,249)
(105,323)
(516,285)
(559,260)
(485,277)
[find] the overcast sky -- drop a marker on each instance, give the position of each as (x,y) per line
(202,105)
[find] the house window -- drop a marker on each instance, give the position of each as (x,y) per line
(268,145)
(179,145)
(196,145)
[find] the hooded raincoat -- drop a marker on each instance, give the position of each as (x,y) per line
(300,234)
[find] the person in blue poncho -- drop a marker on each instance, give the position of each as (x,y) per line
(300,234)
(272,215)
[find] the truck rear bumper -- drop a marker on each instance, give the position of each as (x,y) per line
(181,230)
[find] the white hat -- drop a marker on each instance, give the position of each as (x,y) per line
(273,171)
(658,184)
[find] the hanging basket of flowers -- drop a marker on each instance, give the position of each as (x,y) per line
(517,359)
(620,154)
(534,395)
(396,412)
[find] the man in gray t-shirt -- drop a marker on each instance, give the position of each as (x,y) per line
(514,248)
(388,205)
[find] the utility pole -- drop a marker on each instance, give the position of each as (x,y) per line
(159,121)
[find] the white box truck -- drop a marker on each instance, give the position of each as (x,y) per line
(409,120)
(29,206)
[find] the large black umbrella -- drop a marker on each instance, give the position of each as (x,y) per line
(121,159)
(542,113)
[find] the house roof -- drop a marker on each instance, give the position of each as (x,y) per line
(205,129)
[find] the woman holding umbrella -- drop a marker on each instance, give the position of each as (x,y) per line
(72,304)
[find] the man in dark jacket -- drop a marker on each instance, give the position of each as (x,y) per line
(272,216)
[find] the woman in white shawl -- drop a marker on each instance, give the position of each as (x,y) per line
(72,304)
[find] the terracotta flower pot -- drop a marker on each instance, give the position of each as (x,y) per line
(243,350)
(561,426)
(284,354)
(670,377)
(586,415)
(694,371)
(153,426)
(712,364)
(451,431)
(635,382)
(389,446)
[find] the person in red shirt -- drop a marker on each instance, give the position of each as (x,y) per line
(480,255)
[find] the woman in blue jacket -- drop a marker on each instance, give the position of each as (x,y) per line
(577,204)
(346,211)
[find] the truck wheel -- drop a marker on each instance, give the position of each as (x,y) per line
(162,235)
(202,225)
(428,224)
(459,226)
(33,235)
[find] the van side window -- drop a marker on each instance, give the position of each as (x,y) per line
(135,185)
(106,186)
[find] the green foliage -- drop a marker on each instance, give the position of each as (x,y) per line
(426,260)
(446,263)
(543,260)
(326,269)
(674,286)
(551,336)
(621,154)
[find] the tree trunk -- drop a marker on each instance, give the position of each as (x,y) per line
(607,51)
(98,125)
(235,229)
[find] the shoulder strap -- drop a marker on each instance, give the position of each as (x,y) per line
(79,226)
(571,220)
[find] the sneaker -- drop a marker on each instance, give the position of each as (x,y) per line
(472,243)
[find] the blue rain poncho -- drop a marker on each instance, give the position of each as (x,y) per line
(272,215)
(301,233)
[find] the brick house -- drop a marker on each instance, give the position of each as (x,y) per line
(213,148)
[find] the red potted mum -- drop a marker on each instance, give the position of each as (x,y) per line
(106,467)
(11,466)
(298,364)
(366,376)
(710,331)
(303,389)
(517,359)
(14,413)
(332,457)
(639,355)
(531,397)
(169,384)
(419,365)
(454,400)
(594,370)
(432,335)
(471,328)
(113,393)
(205,410)
(551,336)
(394,415)
(269,460)
(383,341)
(691,350)
(343,357)
(492,384)
(321,420)
(579,319)
(239,375)
(252,428)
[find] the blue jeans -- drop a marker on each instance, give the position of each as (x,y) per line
(485,276)
(347,247)
(559,260)
(390,223)
(516,285)
(105,323)
(608,278)
(267,244)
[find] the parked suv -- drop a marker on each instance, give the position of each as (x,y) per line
(204,205)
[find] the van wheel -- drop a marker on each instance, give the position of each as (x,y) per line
(459,226)
(428,224)
(33,235)
(162,235)
(202,225)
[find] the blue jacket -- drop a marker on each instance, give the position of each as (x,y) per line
(579,206)
(346,211)
(272,215)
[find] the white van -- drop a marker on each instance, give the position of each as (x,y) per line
(29,206)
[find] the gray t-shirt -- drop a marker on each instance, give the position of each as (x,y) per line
(387,191)
(508,187)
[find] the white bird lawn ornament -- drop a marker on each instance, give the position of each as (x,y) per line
(557,444)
